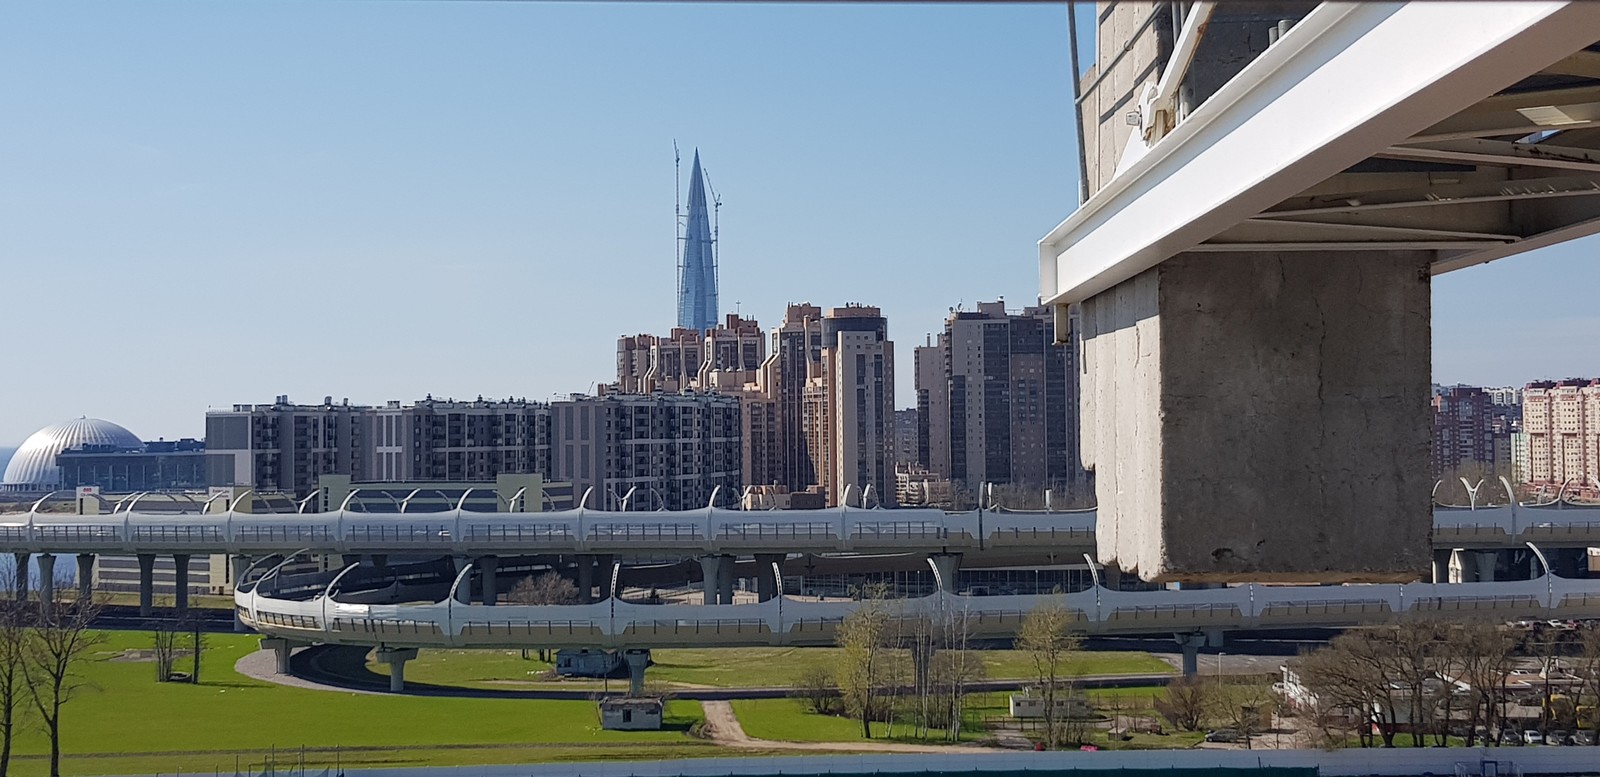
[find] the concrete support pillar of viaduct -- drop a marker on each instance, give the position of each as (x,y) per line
(602,565)
(396,658)
(948,568)
(24,569)
(237,566)
(147,584)
(767,582)
(716,570)
(1441,565)
(637,660)
(1488,562)
(282,650)
(47,584)
(489,567)
(180,582)
(1262,416)
(585,578)
(85,576)
(1190,644)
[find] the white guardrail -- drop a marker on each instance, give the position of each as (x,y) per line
(464,532)
(787,621)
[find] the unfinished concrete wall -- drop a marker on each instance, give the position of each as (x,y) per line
(1262,417)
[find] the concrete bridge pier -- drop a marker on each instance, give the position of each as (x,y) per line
(603,563)
(767,587)
(585,578)
(717,573)
(1190,644)
(180,582)
(396,658)
(488,568)
(47,584)
(147,584)
(348,560)
(237,565)
(1285,365)
(1441,565)
(23,570)
(85,576)
(1487,563)
(948,567)
(282,648)
(637,659)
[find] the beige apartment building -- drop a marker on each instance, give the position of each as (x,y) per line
(1561,428)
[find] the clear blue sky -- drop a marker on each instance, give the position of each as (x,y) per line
(210,203)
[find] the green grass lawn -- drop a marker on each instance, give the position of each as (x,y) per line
(790,720)
(124,712)
(724,667)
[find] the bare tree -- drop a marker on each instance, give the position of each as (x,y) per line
(13,683)
(55,650)
(1483,652)
(164,637)
(816,687)
(197,647)
(1247,707)
(1047,639)
(1185,702)
(548,588)
(1588,669)
(861,638)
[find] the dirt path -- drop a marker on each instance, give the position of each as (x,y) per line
(722,727)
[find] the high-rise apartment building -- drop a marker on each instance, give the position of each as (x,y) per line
(1466,435)
(648,363)
(847,408)
(1561,424)
(286,447)
(669,450)
(697,264)
(997,402)
(796,356)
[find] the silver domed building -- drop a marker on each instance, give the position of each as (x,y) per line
(33,467)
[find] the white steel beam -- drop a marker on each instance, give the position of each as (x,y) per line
(1349,81)
(1502,153)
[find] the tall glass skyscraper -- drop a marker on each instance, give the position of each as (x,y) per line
(697,265)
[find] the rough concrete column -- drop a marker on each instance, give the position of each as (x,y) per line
(282,649)
(603,564)
(1111,577)
(348,560)
(725,581)
(396,658)
(711,573)
(767,584)
(1441,566)
(147,584)
(85,576)
(24,569)
(1262,417)
(585,578)
(637,659)
(489,566)
(380,561)
(237,565)
(948,565)
(1190,644)
(47,584)
(1487,566)
(180,582)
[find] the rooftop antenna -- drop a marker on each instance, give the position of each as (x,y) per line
(677,218)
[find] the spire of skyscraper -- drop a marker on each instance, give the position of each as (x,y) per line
(697,265)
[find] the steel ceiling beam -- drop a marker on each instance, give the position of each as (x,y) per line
(1349,81)
(1501,153)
